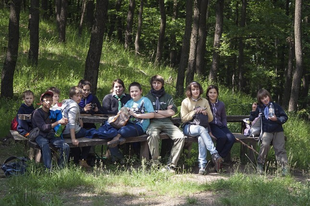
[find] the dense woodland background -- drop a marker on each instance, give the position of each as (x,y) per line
(241,44)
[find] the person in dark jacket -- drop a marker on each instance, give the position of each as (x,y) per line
(24,126)
(273,116)
(41,119)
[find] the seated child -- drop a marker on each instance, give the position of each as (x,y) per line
(24,126)
(141,111)
(55,110)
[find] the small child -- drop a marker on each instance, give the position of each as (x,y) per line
(24,126)
(272,120)
(141,111)
(55,110)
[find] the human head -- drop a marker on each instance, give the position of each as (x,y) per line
(118,87)
(56,94)
(85,86)
(28,97)
(212,92)
(157,82)
(189,87)
(135,91)
(46,100)
(261,94)
(75,93)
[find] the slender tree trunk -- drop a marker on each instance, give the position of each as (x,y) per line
(173,50)
(44,6)
(115,18)
(82,16)
(217,40)
(202,34)
(95,45)
(298,55)
(289,72)
(241,48)
(138,34)
(185,49)
(63,20)
(128,34)
(193,44)
(90,10)
(34,32)
(161,37)
(12,50)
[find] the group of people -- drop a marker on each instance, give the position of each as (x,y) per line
(203,118)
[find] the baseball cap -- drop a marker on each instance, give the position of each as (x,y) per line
(46,93)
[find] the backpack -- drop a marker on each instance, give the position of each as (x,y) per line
(14,124)
(14,166)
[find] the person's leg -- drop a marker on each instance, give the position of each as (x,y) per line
(46,151)
(153,139)
(225,139)
(64,150)
(264,148)
(178,142)
(279,149)
(84,151)
(130,130)
(189,130)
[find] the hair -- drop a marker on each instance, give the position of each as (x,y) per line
(27,92)
(261,94)
(135,84)
(46,96)
(212,87)
(188,91)
(157,78)
(74,91)
(83,82)
(117,81)
(54,90)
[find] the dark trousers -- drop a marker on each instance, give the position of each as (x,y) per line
(224,139)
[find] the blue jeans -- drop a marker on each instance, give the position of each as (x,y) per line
(44,144)
(132,130)
(204,142)
(224,139)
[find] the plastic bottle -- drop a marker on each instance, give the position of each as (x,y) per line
(271,110)
(60,130)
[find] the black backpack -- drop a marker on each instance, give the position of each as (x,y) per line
(14,166)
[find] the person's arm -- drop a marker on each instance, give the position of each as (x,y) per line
(254,112)
(74,141)
(186,114)
(280,115)
(107,105)
(208,112)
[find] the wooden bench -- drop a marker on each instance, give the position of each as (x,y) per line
(245,152)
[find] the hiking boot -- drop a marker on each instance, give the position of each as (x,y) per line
(217,160)
(260,168)
(84,164)
(168,168)
(202,171)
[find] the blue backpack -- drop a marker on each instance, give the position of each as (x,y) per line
(14,166)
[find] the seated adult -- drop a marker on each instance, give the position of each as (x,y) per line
(40,119)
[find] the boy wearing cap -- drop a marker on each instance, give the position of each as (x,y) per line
(164,108)
(41,119)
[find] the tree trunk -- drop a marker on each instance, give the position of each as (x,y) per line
(193,44)
(202,34)
(63,20)
(44,6)
(138,34)
(128,34)
(115,18)
(298,55)
(185,49)
(82,17)
(90,10)
(172,48)
(34,32)
(217,40)
(95,45)
(161,37)
(12,51)
(289,72)
(241,48)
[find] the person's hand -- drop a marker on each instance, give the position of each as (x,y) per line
(63,121)
(273,118)
(75,142)
(254,106)
(212,136)
(132,113)
(170,107)
(87,107)
(199,110)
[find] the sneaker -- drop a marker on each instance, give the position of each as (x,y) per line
(217,160)
(285,171)
(260,168)
(168,168)
(84,164)
(202,171)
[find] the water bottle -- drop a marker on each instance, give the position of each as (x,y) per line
(60,130)
(271,110)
